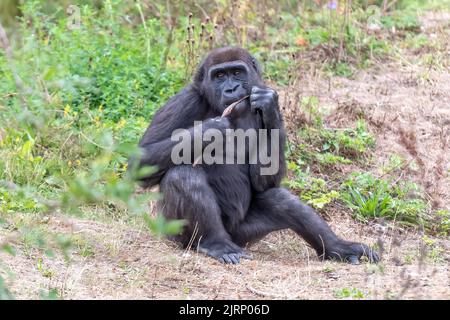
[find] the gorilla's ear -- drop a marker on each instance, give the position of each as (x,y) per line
(256,66)
(200,73)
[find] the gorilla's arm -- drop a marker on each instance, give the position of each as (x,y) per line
(264,102)
(180,112)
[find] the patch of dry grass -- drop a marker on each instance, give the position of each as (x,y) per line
(128,263)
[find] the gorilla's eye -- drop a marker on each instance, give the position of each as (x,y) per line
(220,75)
(237,72)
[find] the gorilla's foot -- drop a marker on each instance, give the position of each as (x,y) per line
(223,250)
(350,252)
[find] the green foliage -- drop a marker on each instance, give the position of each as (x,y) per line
(371,198)
(314,191)
(73,104)
(47,273)
(443,217)
(408,22)
(93,86)
(329,159)
(161,226)
(329,147)
(18,201)
(99,64)
(51,294)
(435,252)
(8,249)
(326,149)
(374,205)
(348,293)
(5,294)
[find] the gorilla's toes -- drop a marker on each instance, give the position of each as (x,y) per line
(231,258)
(352,252)
(225,251)
(245,255)
(367,252)
(373,256)
(234,258)
(352,259)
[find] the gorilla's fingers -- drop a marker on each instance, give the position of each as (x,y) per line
(234,258)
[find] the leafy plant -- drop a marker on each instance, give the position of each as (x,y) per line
(376,204)
(5,294)
(330,147)
(348,293)
(312,190)
(161,226)
(372,198)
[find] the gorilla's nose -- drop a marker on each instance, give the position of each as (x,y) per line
(231,90)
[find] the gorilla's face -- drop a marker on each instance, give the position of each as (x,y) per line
(226,83)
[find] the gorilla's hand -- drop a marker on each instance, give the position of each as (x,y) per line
(265,101)
(219,123)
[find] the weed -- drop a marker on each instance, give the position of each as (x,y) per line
(435,252)
(443,222)
(371,197)
(47,273)
(51,294)
(348,293)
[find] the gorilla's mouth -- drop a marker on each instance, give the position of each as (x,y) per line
(231,107)
(229,102)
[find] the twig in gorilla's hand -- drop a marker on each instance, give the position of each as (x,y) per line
(230,108)
(196,161)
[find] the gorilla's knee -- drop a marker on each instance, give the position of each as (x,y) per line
(279,199)
(183,176)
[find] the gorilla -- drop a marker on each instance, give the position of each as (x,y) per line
(227,206)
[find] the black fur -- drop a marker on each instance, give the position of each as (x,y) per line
(228,206)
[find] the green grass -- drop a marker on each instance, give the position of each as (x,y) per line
(314,191)
(348,293)
(373,198)
(344,144)
(321,149)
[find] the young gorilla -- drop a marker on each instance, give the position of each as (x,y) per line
(229,205)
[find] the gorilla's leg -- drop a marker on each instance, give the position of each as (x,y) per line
(277,209)
(187,195)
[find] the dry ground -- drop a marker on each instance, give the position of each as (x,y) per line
(407,104)
(128,263)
